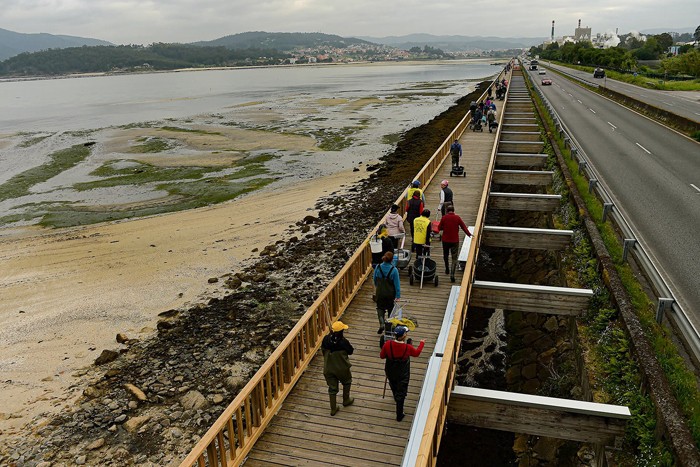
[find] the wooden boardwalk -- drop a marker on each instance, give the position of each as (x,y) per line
(367,433)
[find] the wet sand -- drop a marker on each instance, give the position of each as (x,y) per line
(66,293)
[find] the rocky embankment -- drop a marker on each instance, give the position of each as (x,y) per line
(148,402)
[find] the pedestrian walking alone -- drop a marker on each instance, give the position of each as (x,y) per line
(397,366)
(336,364)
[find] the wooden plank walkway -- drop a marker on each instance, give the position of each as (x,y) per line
(367,433)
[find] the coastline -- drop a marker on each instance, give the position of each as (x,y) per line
(117,277)
(249,67)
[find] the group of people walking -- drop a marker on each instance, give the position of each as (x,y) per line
(396,351)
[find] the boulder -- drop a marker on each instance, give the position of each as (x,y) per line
(193,400)
(106,356)
(136,392)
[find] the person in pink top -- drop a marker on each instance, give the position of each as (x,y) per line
(394,223)
(397,367)
(450,225)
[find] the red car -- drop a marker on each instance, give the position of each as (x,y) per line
(546,82)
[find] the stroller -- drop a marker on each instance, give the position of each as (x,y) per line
(423,269)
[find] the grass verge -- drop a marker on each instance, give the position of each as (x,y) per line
(612,345)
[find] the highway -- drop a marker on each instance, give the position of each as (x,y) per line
(653,175)
(683,103)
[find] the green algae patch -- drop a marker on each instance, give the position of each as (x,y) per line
(27,143)
(189,130)
(151,145)
(182,196)
(59,161)
(392,138)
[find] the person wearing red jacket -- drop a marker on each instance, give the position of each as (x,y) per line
(450,225)
(397,367)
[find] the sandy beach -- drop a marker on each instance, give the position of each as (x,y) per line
(66,293)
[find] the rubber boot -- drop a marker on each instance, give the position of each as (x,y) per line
(347,400)
(334,405)
(399,411)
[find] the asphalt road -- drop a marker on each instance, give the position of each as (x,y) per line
(652,173)
(683,103)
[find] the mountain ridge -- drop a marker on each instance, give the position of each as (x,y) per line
(14,43)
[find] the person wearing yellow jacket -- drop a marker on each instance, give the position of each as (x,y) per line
(421,235)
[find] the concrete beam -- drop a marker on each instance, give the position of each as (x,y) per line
(521,160)
(581,421)
(524,201)
(522,177)
(527,147)
(530,298)
(508,135)
(521,237)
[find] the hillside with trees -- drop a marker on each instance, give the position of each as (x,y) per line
(132,57)
(14,43)
(283,41)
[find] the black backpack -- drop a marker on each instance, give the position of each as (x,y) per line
(386,292)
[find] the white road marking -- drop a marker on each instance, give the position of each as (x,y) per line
(643,148)
(579,101)
(592,110)
(614,127)
(668,103)
(695,187)
(696,113)
(570,95)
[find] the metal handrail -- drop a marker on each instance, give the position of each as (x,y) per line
(665,296)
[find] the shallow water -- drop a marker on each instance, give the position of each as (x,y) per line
(349,110)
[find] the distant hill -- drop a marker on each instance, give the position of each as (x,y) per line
(14,43)
(282,41)
(457,43)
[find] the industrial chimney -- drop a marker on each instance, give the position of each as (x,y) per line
(552,30)
(579,23)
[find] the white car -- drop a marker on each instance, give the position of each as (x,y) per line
(541,71)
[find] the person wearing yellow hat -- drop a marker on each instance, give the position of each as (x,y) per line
(336,364)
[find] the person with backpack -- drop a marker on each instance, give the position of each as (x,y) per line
(456,153)
(336,365)
(397,367)
(414,208)
(387,287)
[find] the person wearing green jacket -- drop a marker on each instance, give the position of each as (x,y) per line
(336,364)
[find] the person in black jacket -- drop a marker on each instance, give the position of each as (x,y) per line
(336,364)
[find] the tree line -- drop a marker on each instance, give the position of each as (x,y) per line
(158,56)
(625,56)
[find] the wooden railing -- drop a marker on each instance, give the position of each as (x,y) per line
(437,415)
(232,436)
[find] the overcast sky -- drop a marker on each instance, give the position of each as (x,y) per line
(148,21)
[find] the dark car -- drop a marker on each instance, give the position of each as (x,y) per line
(599,73)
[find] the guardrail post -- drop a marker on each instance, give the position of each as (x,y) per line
(582,165)
(664,303)
(574,153)
(592,183)
(627,244)
(607,207)
(567,142)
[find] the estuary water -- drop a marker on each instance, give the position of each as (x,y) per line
(304,121)
(101,101)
